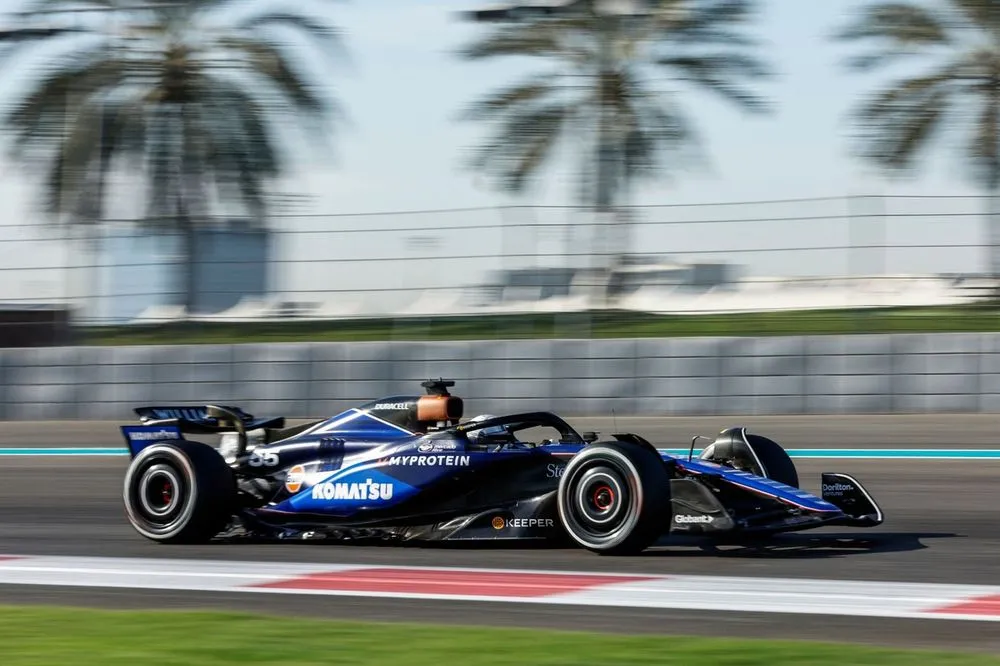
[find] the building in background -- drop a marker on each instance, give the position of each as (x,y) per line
(631,274)
(143,272)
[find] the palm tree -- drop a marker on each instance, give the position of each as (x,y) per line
(192,104)
(956,44)
(609,90)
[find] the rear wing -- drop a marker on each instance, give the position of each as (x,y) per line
(206,419)
(172,423)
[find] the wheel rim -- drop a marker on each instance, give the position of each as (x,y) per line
(599,498)
(159,491)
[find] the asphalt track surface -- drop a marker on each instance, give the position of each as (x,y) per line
(942,525)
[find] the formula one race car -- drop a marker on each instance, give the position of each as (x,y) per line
(408,468)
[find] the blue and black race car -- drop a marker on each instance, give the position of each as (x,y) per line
(409,468)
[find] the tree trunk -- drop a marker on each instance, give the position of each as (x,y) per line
(95,226)
(993,224)
(189,264)
(604,197)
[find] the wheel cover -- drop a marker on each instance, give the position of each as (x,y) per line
(601,499)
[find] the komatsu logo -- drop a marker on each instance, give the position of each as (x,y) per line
(352,491)
(424,461)
(392,405)
(155,435)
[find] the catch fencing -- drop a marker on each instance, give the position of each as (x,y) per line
(684,259)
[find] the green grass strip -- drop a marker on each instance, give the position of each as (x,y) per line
(40,635)
(602,324)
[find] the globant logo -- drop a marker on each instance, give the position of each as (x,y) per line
(686,520)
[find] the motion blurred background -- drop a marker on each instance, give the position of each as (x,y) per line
(203,171)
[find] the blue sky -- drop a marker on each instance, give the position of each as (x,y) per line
(403,151)
(410,159)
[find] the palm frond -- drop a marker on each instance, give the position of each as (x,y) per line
(268,60)
(984,146)
(538,40)
(525,139)
(40,118)
(898,122)
(521,93)
(982,14)
(720,74)
(326,36)
(74,172)
(41,7)
(711,23)
(704,45)
(896,30)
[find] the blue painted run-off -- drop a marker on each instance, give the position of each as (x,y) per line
(859,454)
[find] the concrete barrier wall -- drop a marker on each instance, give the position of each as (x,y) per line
(686,376)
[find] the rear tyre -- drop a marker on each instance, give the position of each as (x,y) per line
(614,498)
(182,492)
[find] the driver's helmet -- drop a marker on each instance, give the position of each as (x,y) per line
(493,431)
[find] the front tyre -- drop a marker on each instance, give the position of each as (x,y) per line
(182,492)
(614,498)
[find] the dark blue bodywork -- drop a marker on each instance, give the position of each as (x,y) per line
(370,468)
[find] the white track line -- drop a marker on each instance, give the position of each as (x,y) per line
(713,593)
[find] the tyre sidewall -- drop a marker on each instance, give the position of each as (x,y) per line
(181,463)
(648,511)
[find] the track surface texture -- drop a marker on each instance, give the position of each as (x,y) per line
(942,525)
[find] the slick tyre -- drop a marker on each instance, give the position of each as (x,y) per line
(777,463)
(614,498)
(182,492)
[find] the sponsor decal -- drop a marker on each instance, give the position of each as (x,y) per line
(392,405)
(500,523)
(368,490)
(554,470)
(153,435)
(296,475)
(191,414)
(429,461)
(836,489)
(688,520)
(439,446)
